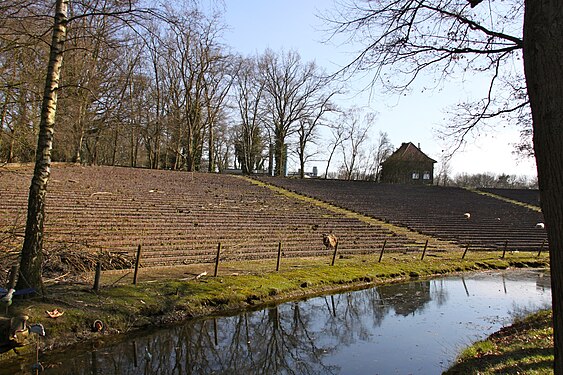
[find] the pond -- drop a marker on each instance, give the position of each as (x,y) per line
(417,327)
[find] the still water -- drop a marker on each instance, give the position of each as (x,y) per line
(417,327)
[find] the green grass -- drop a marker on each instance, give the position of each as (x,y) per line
(525,347)
(505,199)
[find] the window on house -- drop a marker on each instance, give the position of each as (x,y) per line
(415,175)
(426,176)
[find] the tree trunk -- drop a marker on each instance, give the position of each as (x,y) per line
(271,160)
(156,164)
(114,151)
(10,157)
(3,116)
(211,140)
(134,143)
(543,66)
(189,150)
(32,251)
(80,137)
(279,155)
(302,163)
(330,159)
(77,158)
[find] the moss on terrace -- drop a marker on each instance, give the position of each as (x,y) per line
(166,295)
(504,199)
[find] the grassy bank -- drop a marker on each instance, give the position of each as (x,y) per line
(525,347)
(172,294)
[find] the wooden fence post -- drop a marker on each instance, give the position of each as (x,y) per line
(215,332)
(96,286)
(465,252)
(424,251)
(217,259)
(541,248)
(334,255)
(279,256)
(135,364)
(382,250)
(137,262)
(504,250)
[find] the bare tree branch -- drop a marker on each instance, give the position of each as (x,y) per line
(401,40)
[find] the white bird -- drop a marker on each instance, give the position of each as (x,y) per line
(467,215)
(540,225)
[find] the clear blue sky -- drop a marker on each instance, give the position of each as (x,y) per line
(255,25)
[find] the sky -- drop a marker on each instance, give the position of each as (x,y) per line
(255,25)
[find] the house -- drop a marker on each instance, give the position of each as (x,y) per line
(408,165)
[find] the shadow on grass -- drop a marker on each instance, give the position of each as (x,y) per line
(522,361)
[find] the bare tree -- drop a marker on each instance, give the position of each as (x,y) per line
(307,129)
(402,40)
(187,67)
(292,89)
(217,85)
(356,127)
(444,173)
(380,151)
(249,143)
(22,49)
(198,83)
(153,132)
(223,143)
(32,250)
(338,136)
(86,72)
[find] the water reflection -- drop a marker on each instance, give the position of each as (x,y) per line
(416,327)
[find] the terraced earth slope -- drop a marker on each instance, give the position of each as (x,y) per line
(181,217)
(437,211)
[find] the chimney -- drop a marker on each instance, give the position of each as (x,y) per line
(419,146)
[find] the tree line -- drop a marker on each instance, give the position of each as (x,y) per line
(159,88)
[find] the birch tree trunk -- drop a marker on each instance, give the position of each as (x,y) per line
(543,65)
(32,251)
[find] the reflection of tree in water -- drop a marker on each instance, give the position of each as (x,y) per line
(273,341)
(439,292)
(293,338)
(408,297)
(543,281)
(349,317)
